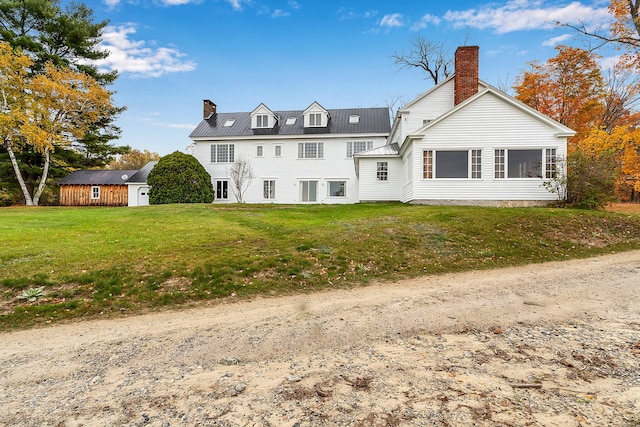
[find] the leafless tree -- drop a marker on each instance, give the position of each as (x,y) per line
(434,58)
(621,97)
(393,103)
(241,174)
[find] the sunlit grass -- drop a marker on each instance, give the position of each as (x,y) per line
(110,261)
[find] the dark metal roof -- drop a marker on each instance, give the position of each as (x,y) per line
(142,174)
(372,120)
(97,177)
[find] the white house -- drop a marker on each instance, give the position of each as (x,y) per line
(303,156)
(462,142)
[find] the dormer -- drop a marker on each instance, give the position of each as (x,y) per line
(263,118)
(315,116)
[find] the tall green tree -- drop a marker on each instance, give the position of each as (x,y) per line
(65,37)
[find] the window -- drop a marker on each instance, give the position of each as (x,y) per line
(336,188)
(291,121)
(354,147)
(269,189)
(278,151)
(222,153)
(262,121)
(476,164)
(259,150)
(499,163)
(382,171)
(310,150)
(452,164)
(222,190)
(427,164)
(229,123)
(550,162)
(308,191)
(524,163)
(354,119)
(95,193)
(315,119)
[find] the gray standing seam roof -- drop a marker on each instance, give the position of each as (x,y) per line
(97,177)
(142,174)
(372,120)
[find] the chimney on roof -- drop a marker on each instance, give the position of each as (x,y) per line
(209,109)
(466,69)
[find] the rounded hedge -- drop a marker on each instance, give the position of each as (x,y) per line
(179,178)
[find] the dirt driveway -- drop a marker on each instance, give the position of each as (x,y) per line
(555,344)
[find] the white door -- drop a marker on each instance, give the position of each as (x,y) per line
(143,196)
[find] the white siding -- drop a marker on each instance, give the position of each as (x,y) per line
(287,170)
(371,189)
(487,123)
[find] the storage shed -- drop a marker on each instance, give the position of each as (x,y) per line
(95,188)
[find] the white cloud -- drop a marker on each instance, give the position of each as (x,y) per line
(517,15)
(393,20)
(293,4)
(345,14)
(426,20)
(176,2)
(278,13)
(134,57)
(553,41)
(111,3)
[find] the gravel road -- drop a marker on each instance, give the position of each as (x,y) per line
(554,344)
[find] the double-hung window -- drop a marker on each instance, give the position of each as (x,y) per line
(222,153)
(551,160)
(259,150)
(310,150)
(354,147)
(95,192)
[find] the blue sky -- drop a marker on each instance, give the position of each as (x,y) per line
(172,54)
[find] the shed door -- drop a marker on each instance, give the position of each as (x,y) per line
(143,196)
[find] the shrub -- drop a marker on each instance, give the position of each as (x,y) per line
(179,178)
(591,179)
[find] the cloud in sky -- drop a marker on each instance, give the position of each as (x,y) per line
(392,20)
(345,14)
(426,20)
(553,41)
(134,57)
(518,15)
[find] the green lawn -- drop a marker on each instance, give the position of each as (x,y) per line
(97,262)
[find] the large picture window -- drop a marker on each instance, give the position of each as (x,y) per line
(452,164)
(524,163)
(222,153)
(336,188)
(310,150)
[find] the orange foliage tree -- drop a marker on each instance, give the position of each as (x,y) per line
(569,88)
(45,111)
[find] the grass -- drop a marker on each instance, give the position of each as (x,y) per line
(96,262)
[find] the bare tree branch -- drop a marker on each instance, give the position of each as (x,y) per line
(241,174)
(434,58)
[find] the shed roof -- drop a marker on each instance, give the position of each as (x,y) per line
(372,120)
(97,177)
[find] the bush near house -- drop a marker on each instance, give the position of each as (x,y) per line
(179,178)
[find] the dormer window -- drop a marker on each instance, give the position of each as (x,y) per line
(263,118)
(315,119)
(262,121)
(316,116)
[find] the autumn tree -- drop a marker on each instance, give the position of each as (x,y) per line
(433,58)
(569,88)
(45,111)
(69,37)
(135,159)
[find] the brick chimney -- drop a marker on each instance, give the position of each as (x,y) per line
(209,109)
(466,69)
